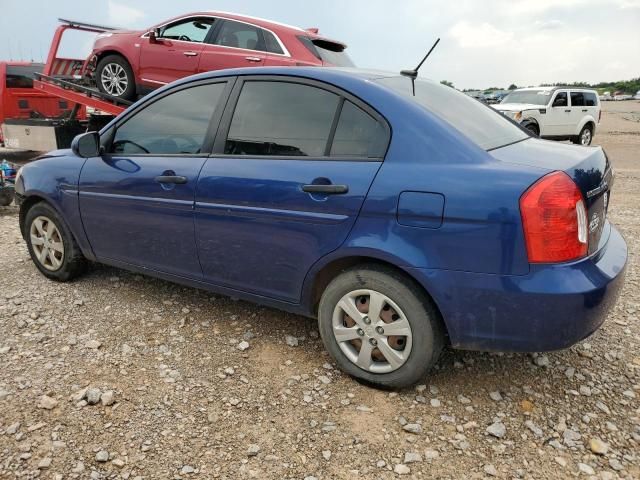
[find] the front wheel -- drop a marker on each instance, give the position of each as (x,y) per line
(380,327)
(115,77)
(51,245)
(585,137)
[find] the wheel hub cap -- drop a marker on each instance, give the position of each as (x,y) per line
(114,79)
(372,331)
(47,243)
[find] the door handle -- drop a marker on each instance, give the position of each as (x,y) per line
(328,189)
(253,59)
(568,111)
(585,110)
(190,54)
(175,179)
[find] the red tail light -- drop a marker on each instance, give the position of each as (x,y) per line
(554,218)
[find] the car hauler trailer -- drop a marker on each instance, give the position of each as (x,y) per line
(59,79)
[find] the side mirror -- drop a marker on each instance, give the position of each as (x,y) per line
(154,35)
(86,145)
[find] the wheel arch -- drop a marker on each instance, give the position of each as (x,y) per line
(323,272)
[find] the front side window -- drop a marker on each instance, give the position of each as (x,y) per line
(175,124)
(281,119)
(577,99)
(358,134)
(240,35)
(560,100)
(191,30)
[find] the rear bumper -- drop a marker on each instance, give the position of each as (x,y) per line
(550,308)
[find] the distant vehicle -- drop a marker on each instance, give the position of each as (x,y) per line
(622,96)
(555,113)
(19,101)
(289,187)
(606,97)
(126,63)
(637,95)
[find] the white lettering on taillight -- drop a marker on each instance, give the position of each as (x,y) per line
(581,213)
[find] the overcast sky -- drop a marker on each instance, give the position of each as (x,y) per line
(484,43)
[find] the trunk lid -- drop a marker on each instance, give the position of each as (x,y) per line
(589,167)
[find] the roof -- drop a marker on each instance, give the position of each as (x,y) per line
(553,88)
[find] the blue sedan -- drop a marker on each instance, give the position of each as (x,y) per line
(401,213)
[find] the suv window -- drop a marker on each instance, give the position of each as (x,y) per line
(191,30)
(175,124)
(358,134)
(590,99)
(329,52)
(577,99)
(560,100)
(481,124)
(272,44)
(240,35)
(283,119)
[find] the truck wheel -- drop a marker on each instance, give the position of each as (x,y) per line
(115,77)
(585,136)
(51,244)
(379,327)
(533,128)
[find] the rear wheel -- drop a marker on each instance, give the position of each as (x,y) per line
(115,77)
(585,137)
(51,245)
(379,327)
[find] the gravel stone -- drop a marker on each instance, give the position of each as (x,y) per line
(497,429)
(47,402)
(108,398)
(253,450)
(415,428)
(93,396)
(102,456)
(401,469)
(412,457)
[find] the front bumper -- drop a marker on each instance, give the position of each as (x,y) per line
(550,308)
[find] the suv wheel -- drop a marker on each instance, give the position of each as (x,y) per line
(379,327)
(115,77)
(51,245)
(533,128)
(585,136)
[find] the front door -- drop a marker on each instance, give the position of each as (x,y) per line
(558,116)
(286,184)
(137,199)
(175,53)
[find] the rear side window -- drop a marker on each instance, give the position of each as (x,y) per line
(281,119)
(240,35)
(175,124)
(358,134)
(331,53)
(590,99)
(577,99)
(271,43)
(481,124)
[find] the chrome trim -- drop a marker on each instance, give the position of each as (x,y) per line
(284,49)
(153,81)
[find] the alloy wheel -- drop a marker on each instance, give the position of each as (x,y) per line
(585,137)
(47,243)
(372,331)
(114,79)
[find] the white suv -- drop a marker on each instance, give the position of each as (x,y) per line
(556,113)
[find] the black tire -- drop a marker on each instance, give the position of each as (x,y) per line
(6,196)
(428,336)
(115,63)
(73,261)
(533,128)
(585,137)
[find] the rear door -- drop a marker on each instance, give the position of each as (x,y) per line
(233,45)
(294,161)
(136,200)
(175,53)
(579,111)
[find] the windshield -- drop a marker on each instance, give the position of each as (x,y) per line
(535,97)
(331,53)
(480,123)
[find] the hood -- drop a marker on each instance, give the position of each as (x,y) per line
(588,167)
(516,107)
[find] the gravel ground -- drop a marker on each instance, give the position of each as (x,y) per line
(122,376)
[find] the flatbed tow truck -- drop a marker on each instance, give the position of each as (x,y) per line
(61,77)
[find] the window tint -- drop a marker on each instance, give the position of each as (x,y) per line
(480,123)
(560,100)
(278,118)
(174,124)
(590,99)
(240,35)
(192,30)
(21,76)
(272,44)
(331,53)
(358,134)
(577,99)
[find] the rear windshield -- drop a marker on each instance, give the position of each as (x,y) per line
(21,76)
(534,97)
(480,123)
(330,53)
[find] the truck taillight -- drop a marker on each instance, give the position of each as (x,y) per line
(554,218)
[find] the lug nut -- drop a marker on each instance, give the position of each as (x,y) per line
(373,342)
(360,332)
(380,330)
(367,320)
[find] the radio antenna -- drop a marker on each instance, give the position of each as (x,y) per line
(413,74)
